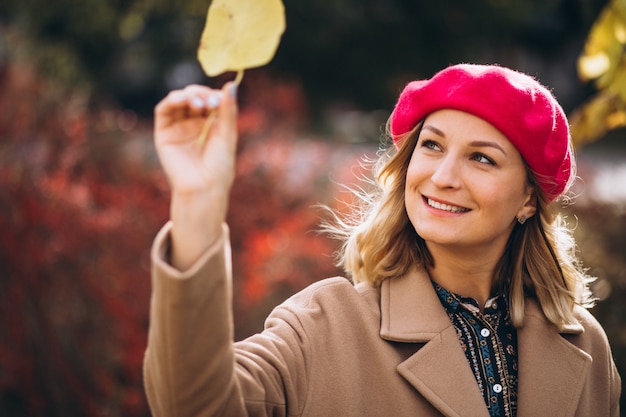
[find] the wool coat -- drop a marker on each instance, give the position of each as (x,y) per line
(336,349)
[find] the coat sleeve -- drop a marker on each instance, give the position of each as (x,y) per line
(615,386)
(191,365)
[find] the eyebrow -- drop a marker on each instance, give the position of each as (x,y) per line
(481,143)
(434,129)
(476,143)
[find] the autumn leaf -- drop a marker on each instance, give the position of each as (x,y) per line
(603,61)
(604,46)
(240,34)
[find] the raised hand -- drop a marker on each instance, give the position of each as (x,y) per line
(200,170)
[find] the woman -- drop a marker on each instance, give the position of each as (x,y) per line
(466,297)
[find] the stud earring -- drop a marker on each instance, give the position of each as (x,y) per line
(521,219)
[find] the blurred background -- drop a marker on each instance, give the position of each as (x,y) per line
(82,195)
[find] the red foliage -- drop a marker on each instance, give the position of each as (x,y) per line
(81,198)
(77,220)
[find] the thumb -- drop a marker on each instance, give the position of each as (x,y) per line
(227,124)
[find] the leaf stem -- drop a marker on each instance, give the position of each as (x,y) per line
(206,127)
(239,77)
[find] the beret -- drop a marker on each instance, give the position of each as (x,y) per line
(516,104)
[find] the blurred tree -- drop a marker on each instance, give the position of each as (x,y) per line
(73,307)
(603,61)
(122,51)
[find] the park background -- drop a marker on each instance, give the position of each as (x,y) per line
(82,195)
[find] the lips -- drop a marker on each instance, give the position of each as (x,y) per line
(445,207)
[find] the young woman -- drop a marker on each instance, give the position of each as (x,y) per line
(466,298)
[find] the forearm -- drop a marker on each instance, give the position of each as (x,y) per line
(196,225)
(189,364)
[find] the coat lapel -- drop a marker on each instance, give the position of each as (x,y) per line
(412,313)
(552,371)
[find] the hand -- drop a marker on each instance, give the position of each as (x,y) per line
(193,164)
(200,170)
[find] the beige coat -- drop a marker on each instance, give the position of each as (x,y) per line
(339,350)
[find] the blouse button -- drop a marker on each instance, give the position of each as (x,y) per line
(485,332)
(497,388)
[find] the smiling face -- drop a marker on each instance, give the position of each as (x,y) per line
(466,184)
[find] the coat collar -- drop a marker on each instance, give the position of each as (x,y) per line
(410,309)
(551,370)
(411,312)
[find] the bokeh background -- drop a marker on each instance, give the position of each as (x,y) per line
(82,195)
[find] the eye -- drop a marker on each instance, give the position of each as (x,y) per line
(430,144)
(481,158)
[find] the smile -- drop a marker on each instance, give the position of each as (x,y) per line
(446,207)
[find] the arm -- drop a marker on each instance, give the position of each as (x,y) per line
(189,361)
(191,366)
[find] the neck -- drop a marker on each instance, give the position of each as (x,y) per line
(466,274)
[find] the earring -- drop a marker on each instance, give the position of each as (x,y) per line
(522,219)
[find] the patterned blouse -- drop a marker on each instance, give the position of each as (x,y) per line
(489,341)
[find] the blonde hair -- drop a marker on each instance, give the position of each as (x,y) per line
(379,243)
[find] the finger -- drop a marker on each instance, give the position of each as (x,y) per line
(198,107)
(174,107)
(192,101)
(227,122)
(195,98)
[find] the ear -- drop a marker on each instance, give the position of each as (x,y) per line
(529,208)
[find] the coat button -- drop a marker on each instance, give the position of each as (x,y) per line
(497,388)
(485,332)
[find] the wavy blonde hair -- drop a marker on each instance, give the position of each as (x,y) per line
(379,243)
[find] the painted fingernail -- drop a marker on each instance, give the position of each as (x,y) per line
(197,102)
(214,100)
(233,90)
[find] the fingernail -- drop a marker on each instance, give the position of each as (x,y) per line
(197,102)
(233,90)
(214,100)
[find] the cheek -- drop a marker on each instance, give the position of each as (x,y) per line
(504,197)
(416,172)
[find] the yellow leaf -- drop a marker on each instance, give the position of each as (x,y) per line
(240,34)
(596,59)
(593,66)
(604,61)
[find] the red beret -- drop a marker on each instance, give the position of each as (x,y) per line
(514,103)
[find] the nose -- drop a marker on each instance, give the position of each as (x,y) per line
(447,173)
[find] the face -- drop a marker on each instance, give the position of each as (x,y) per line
(466,184)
